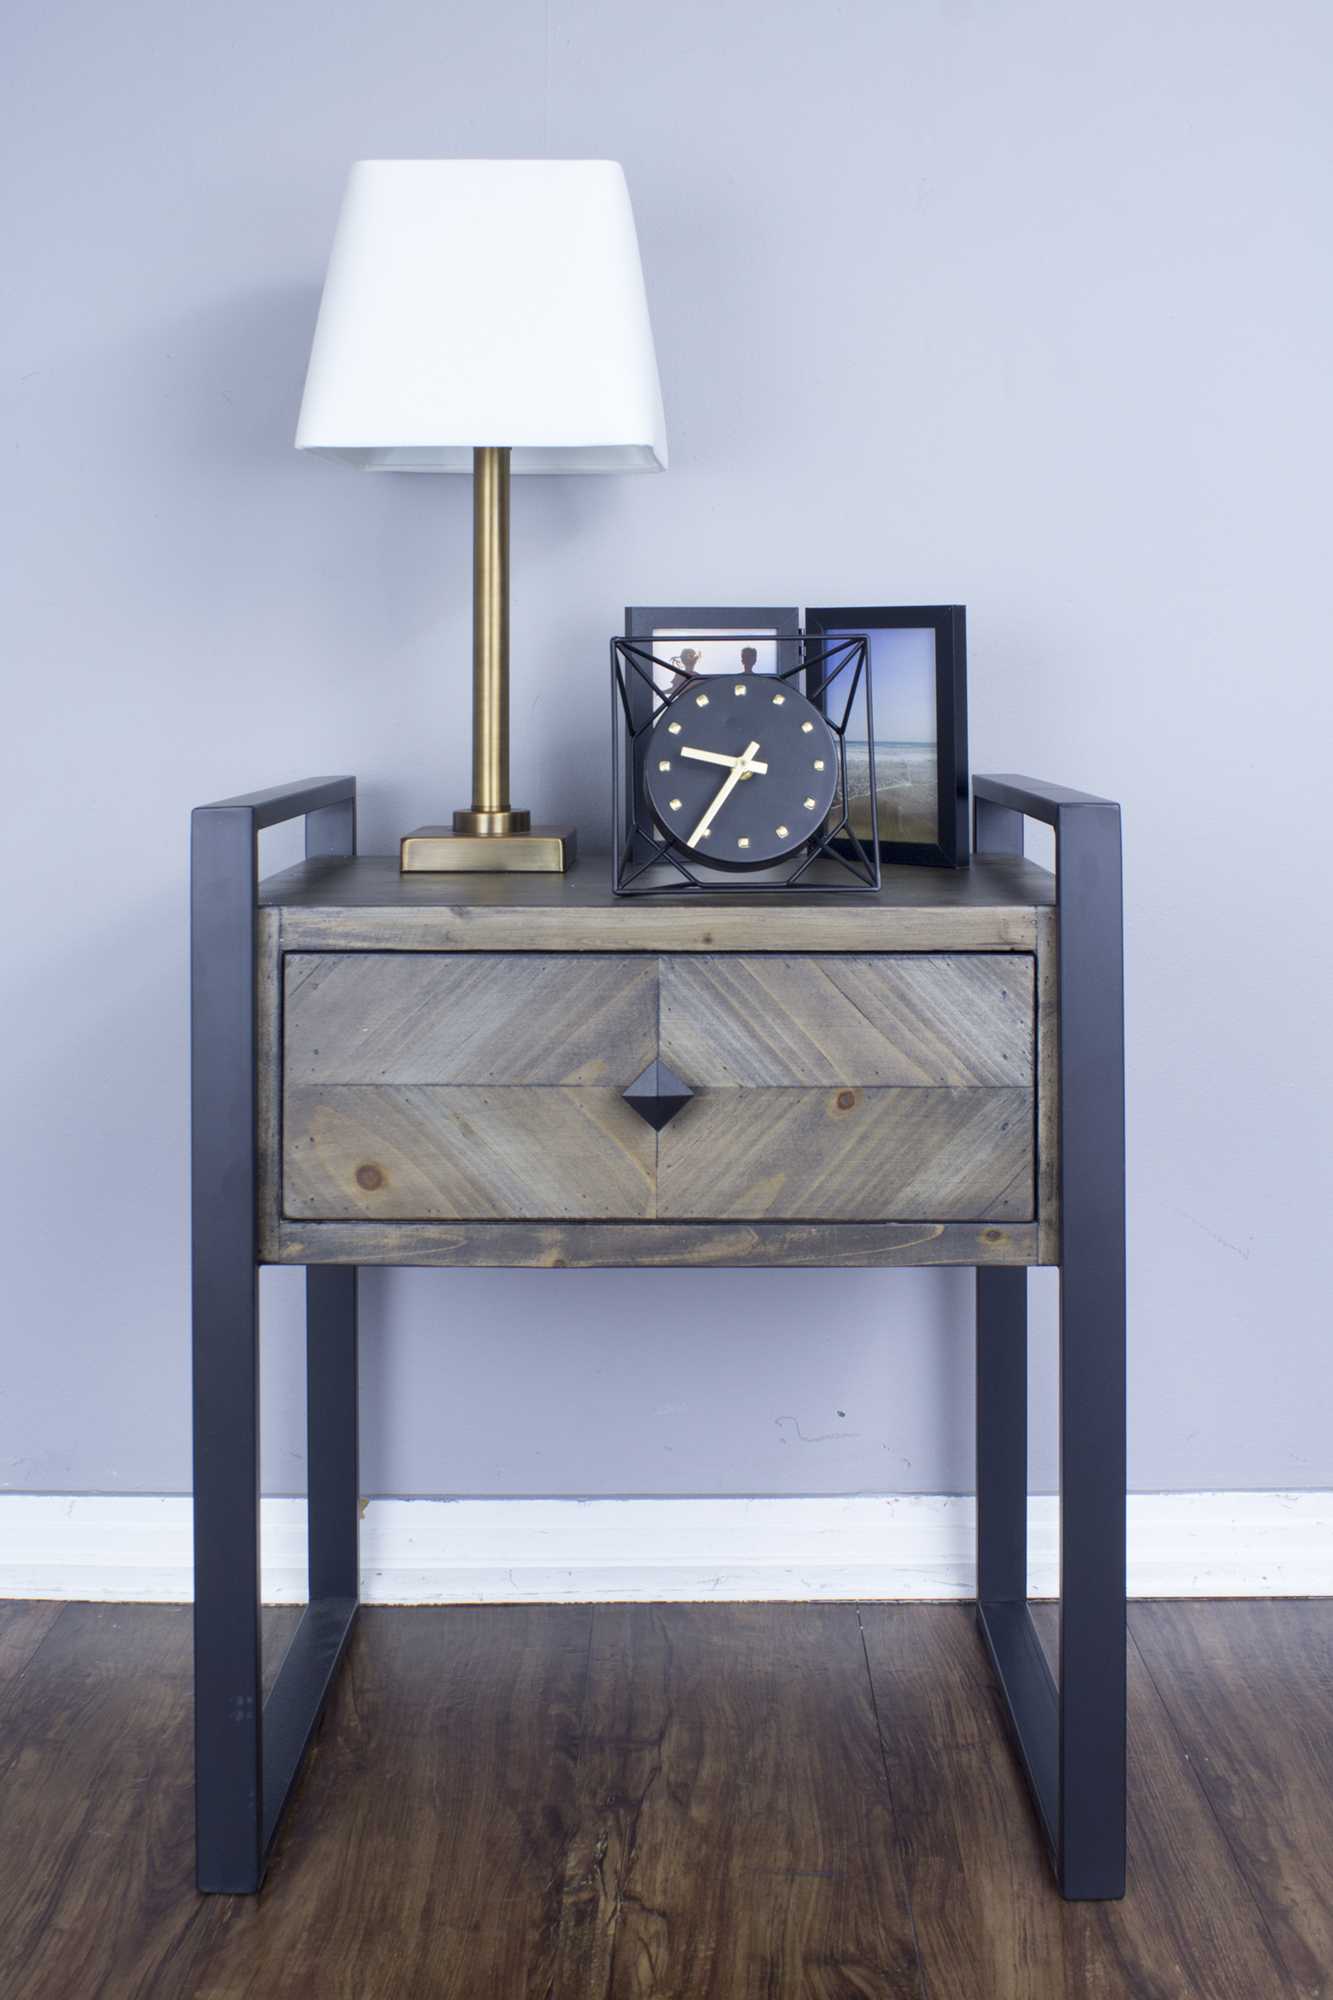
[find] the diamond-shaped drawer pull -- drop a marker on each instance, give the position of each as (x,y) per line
(657,1095)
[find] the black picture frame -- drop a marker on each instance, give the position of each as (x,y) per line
(951,845)
(642,620)
(783,620)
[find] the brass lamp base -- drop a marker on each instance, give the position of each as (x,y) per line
(445,850)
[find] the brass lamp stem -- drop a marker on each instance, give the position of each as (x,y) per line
(489,837)
(490,812)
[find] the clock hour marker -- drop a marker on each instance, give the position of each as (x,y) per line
(703,833)
(673,729)
(675,805)
(819,763)
(806,727)
(778,700)
(781,832)
(809,805)
(740,688)
(664,763)
(701,701)
(744,840)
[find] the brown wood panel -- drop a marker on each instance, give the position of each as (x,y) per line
(594,1246)
(557,1803)
(849,1156)
(987,1915)
(1250,1690)
(778,1018)
(96,1831)
(425,1851)
(23,1627)
(456,1153)
(481,1018)
(734,1839)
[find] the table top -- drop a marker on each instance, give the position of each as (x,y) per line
(374,882)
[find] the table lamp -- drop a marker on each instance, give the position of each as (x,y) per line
(485,316)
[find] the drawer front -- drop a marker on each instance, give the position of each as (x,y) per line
(440,1087)
(468,1087)
(850,1089)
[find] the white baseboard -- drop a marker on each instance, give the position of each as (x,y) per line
(107,1546)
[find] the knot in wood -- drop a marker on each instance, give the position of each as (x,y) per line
(369,1177)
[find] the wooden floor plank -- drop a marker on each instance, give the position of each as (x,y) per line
(24,1624)
(735,1837)
(1249,1687)
(423,1852)
(988,1917)
(96,1826)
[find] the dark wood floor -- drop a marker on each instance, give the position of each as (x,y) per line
(724,1800)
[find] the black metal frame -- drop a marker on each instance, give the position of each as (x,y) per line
(949,624)
(1071,1736)
(248,1751)
(645,862)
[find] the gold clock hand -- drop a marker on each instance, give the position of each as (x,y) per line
(716,757)
(740,769)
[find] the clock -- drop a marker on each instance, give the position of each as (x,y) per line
(737,780)
(740,773)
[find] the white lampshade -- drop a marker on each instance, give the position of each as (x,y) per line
(485,302)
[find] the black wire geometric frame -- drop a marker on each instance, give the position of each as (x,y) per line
(833,673)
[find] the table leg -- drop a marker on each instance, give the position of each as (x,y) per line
(247,1752)
(1071,1737)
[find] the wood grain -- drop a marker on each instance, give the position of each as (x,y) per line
(425,1852)
(373,881)
(413,995)
(23,1628)
(1048,1085)
(469,1018)
(734,1837)
(849,1156)
(415,1152)
(269,1073)
(569,1803)
(592,1246)
(96,1836)
(1250,1688)
(978,1877)
(745,1019)
(367,905)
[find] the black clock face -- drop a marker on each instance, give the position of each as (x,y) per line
(740,773)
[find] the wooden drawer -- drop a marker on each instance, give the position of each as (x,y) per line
(827,1088)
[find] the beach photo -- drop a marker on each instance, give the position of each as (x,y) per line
(902,681)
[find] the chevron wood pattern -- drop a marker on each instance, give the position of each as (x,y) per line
(468,1017)
(958,1019)
(849,1156)
(432,1091)
(426,1152)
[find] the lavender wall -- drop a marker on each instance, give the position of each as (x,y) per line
(1025,305)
